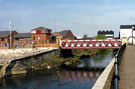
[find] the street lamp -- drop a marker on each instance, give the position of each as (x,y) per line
(10,34)
(132,34)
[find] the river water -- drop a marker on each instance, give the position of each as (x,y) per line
(66,79)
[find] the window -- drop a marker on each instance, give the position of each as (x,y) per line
(16,45)
(16,38)
(33,37)
(1,45)
(28,38)
(21,39)
(2,39)
(38,38)
(22,44)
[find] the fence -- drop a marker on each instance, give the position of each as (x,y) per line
(116,67)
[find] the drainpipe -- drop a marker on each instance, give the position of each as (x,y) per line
(132,34)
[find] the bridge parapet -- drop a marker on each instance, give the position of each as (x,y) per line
(100,43)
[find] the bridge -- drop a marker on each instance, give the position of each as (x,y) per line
(85,44)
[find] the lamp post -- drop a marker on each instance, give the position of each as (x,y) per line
(10,34)
(132,34)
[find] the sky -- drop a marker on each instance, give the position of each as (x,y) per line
(80,16)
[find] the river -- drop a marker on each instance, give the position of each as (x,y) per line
(66,79)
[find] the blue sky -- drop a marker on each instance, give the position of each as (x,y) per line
(81,16)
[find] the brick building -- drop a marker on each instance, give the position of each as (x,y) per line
(22,40)
(5,39)
(65,34)
(42,37)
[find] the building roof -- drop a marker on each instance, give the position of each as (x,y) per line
(23,35)
(4,34)
(64,32)
(41,28)
(105,32)
(127,26)
(57,34)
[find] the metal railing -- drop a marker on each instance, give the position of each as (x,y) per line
(116,77)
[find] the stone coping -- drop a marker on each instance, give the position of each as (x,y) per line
(103,78)
(34,54)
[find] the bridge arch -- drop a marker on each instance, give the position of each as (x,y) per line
(129,40)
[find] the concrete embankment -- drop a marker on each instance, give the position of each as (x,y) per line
(25,63)
(104,81)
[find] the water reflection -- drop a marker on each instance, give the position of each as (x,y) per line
(78,79)
(61,80)
(79,75)
(100,62)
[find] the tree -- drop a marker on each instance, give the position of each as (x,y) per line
(85,36)
(100,37)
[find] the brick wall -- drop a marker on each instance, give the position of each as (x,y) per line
(22,43)
(48,44)
(4,43)
(40,39)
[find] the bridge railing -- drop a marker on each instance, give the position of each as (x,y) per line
(116,69)
(94,43)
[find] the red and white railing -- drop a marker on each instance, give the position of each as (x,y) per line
(75,44)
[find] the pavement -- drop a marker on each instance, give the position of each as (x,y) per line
(127,69)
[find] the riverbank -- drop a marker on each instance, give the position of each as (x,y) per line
(72,62)
(25,63)
(90,52)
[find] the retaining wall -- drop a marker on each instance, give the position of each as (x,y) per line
(104,80)
(24,64)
